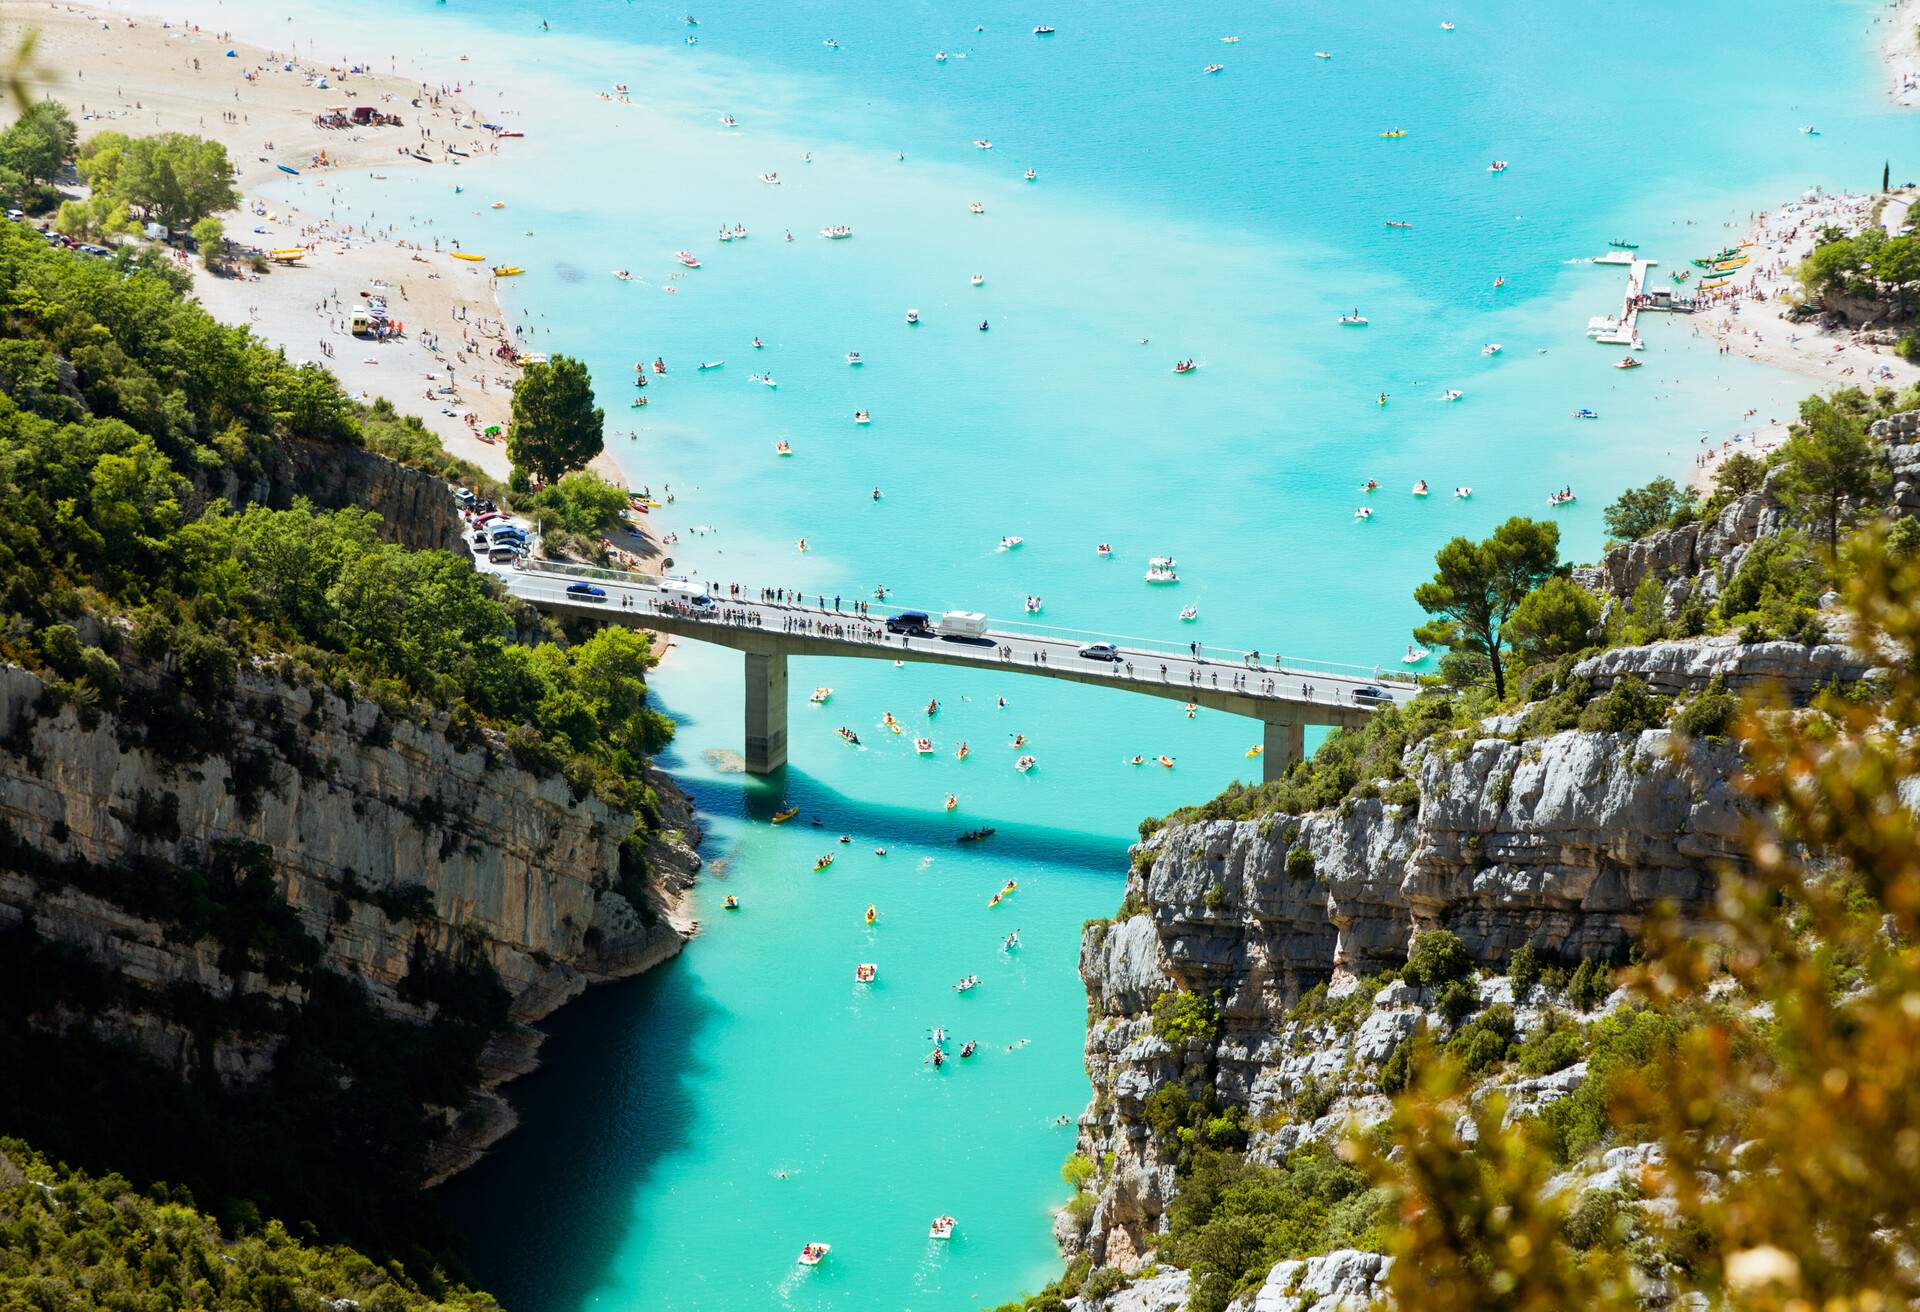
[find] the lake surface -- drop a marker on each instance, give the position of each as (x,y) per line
(692,1129)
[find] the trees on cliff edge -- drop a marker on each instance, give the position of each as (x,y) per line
(556,426)
(1477,586)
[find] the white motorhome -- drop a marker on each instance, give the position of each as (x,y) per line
(963,624)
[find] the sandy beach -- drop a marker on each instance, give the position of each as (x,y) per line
(149,75)
(1749,316)
(1900,49)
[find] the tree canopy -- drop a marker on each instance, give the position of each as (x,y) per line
(172,178)
(1477,586)
(556,426)
(1641,510)
(1830,468)
(39,143)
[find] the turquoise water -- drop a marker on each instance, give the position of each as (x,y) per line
(1229,218)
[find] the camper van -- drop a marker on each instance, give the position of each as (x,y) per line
(686,591)
(963,624)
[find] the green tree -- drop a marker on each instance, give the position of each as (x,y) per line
(40,142)
(556,426)
(1477,587)
(210,235)
(1829,466)
(172,178)
(1641,510)
(580,502)
(1555,618)
(1739,474)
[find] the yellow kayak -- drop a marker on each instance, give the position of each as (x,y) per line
(781,817)
(822,864)
(462,255)
(507,270)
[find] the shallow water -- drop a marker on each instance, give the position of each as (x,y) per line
(1229,218)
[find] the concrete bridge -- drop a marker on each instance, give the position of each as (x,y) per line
(1285,694)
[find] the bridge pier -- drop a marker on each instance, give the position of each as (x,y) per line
(1281,745)
(766,712)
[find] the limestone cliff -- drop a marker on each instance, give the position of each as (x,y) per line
(1563,843)
(391,841)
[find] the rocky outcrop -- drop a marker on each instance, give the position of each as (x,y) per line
(389,840)
(416,508)
(1563,843)
(1688,665)
(1703,555)
(1346,1280)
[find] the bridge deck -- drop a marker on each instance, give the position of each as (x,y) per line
(1285,698)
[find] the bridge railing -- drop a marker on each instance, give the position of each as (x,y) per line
(1285,664)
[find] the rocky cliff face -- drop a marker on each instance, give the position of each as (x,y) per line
(1563,843)
(416,508)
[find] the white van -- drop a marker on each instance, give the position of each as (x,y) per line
(686,591)
(963,624)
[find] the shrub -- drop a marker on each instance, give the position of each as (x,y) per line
(1397,1070)
(1435,957)
(1179,1016)
(1711,712)
(1077,1170)
(1300,864)
(1553,1047)
(1627,707)
(1589,986)
(1457,1001)
(1313,1099)
(1523,968)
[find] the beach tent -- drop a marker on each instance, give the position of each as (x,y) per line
(232,55)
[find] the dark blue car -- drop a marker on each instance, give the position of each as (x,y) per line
(586,592)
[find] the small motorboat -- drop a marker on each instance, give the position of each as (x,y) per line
(687,258)
(831,44)
(1165,761)
(712,364)
(1190,614)
(1414,655)
(780,817)
(1104,549)
(1006,890)
(1584,413)
(977,279)
(1323,54)
(1452,394)
(1042,30)
(853,357)
(1354,320)
(623,275)
(1395,223)
(924,746)
(1463,492)
(822,863)
(811,1254)
(975,207)
(1213,68)
(783,448)
(913,316)
(732,903)
(976,835)
(1025,764)
(1031,175)
(1491,348)
(820,695)
(863,417)
(952,802)
(1565,498)
(1498,166)
(1626,362)
(981,143)
(837,232)
(939,56)
(967,985)
(1363,513)
(1035,605)
(1420,488)
(1011,541)
(1446,27)
(771,179)
(1161,576)
(865,972)
(1229,40)
(1185,367)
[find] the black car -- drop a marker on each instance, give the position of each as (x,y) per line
(586,592)
(1370,695)
(916,622)
(1101,651)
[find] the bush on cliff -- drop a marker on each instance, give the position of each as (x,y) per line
(1435,957)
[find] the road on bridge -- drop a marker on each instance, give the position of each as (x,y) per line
(1286,697)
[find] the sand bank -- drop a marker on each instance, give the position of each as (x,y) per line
(140,74)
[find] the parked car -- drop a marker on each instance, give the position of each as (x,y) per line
(1101,651)
(586,592)
(1370,695)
